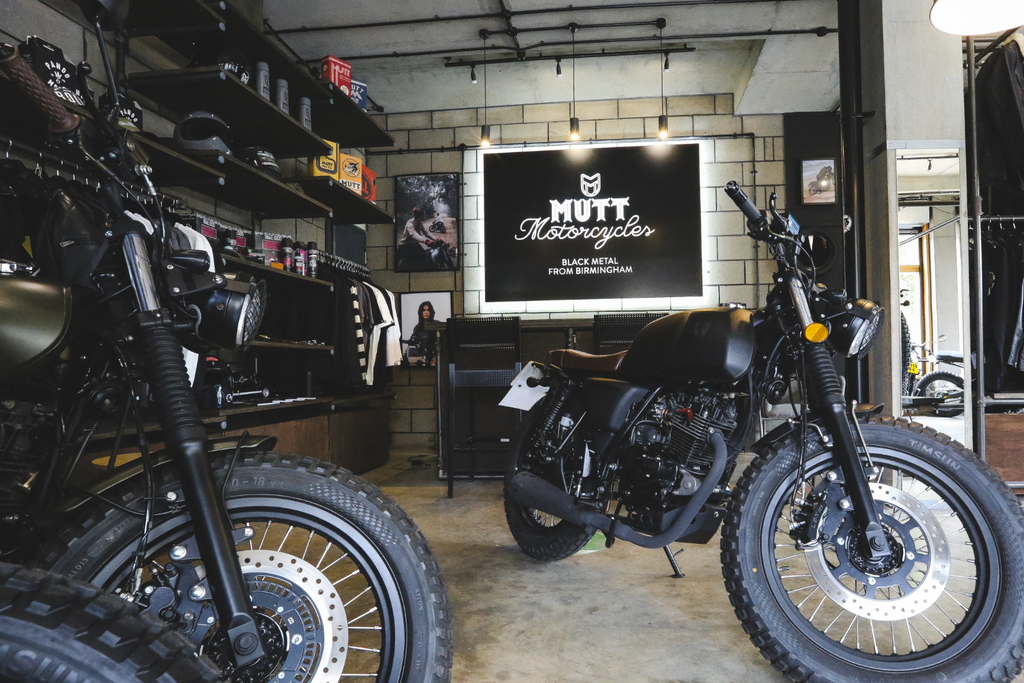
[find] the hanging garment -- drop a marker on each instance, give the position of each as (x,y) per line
(394,341)
(1000,97)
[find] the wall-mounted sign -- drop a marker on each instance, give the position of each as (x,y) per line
(593,223)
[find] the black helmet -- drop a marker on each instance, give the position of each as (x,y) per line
(229,58)
(262,159)
(201,131)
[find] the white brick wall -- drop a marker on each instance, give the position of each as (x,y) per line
(731,268)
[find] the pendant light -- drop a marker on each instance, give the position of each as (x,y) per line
(976,17)
(574,123)
(663,118)
(485,130)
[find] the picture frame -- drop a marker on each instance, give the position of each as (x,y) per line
(818,181)
(419,345)
(427,223)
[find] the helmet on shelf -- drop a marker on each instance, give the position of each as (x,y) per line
(201,131)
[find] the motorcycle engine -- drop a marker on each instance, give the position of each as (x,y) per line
(27,438)
(670,453)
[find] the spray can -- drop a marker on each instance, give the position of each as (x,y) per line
(282,95)
(300,259)
(287,254)
(312,259)
(263,80)
(306,113)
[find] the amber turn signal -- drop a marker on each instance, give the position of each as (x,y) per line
(816,332)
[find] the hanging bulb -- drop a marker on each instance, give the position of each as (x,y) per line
(485,136)
(976,17)
(929,164)
(574,128)
(663,126)
(472,74)
(666,62)
(558,68)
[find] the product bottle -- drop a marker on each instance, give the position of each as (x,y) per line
(306,113)
(287,252)
(282,95)
(300,259)
(312,259)
(263,80)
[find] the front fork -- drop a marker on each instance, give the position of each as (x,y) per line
(827,396)
(185,439)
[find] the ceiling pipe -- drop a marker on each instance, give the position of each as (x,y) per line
(507,14)
(562,27)
(818,31)
(552,58)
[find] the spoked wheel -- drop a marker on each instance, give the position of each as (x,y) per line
(944,385)
(343,584)
(541,535)
(949,599)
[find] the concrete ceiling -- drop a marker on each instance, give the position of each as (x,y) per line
(767,73)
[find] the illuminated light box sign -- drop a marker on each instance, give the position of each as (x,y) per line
(593,223)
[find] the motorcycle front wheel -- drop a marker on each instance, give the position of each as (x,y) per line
(949,606)
(334,568)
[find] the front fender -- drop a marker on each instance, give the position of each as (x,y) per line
(219,446)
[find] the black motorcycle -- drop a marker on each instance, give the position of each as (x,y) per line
(277,567)
(855,547)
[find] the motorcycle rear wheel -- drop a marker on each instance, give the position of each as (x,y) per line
(540,535)
(385,615)
(951,608)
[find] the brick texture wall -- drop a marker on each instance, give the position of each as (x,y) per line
(428,142)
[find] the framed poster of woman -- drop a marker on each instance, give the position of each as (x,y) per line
(419,345)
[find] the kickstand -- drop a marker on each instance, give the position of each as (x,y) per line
(676,574)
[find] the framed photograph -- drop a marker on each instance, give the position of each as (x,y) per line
(427,222)
(819,181)
(419,345)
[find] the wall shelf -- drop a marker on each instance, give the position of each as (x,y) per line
(253,190)
(265,270)
(173,169)
(252,119)
(347,205)
(290,346)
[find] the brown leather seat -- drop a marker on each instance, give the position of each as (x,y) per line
(569,359)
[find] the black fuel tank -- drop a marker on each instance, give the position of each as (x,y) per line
(34,319)
(713,344)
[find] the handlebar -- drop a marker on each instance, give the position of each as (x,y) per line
(743,202)
(59,118)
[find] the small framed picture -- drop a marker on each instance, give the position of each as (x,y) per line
(819,181)
(427,222)
(419,345)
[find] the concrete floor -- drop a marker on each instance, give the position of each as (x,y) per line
(610,616)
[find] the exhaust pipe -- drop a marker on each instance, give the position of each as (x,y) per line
(531,491)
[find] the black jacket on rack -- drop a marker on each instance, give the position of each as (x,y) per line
(1003,258)
(1001,118)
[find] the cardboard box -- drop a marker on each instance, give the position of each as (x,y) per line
(369,185)
(359,95)
(327,165)
(350,172)
(337,72)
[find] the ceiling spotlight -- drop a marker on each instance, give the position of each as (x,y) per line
(574,128)
(558,67)
(976,17)
(472,74)
(663,126)
(485,136)
(666,62)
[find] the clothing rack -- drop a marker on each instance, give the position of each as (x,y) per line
(344,265)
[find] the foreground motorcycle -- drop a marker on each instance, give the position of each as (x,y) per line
(276,567)
(854,547)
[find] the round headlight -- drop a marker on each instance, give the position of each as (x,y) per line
(231,316)
(854,331)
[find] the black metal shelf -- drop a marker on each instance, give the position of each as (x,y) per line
(182,23)
(253,190)
(267,270)
(346,204)
(173,169)
(290,346)
(252,119)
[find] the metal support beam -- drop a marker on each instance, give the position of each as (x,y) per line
(977,271)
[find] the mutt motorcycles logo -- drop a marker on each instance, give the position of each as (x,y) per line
(591,218)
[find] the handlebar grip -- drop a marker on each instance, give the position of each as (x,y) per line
(60,119)
(743,202)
